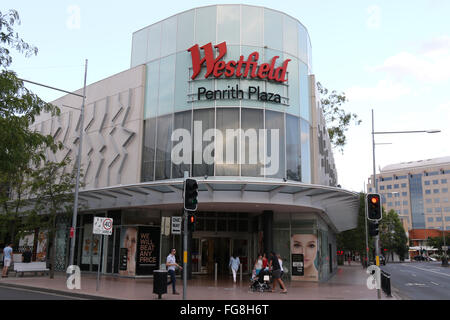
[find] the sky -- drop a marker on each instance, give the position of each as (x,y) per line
(392,57)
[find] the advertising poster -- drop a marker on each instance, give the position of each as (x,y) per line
(128,240)
(305,245)
(41,248)
(88,247)
(26,241)
(297,265)
(147,258)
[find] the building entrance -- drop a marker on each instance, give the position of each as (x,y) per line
(211,253)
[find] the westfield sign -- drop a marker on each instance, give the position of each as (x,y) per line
(242,68)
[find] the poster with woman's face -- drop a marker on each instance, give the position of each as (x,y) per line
(128,239)
(306,244)
(41,249)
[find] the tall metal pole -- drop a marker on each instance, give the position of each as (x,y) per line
(367,233)
(185,240)
(77,184)
(377,237)
(444,256)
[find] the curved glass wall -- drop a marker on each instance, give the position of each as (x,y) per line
(265,138)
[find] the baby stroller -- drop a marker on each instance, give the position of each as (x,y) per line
(261,281)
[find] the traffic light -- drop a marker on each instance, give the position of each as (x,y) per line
(373,206)
(190,195)
(373,229)
(191,222)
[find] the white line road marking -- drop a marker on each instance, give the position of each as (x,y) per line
(444,274)
(434,283)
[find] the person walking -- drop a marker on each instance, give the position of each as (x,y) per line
(172,265)
(7,257)
(234,265)
(274,265)
(258,264)
(264,261)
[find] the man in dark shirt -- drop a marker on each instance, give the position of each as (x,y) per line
(26,255)
(274,265)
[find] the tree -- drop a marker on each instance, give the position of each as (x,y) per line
(20,147)
(337,120)
(392,235)
(355,239)
(52,189)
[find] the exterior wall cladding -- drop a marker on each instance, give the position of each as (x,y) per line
(129,170)
(130,116)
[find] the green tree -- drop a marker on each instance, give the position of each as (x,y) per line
(20,147)
(52,189)
(355,239)
(393,236)
(336,118)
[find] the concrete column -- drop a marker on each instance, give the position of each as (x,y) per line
(267,220)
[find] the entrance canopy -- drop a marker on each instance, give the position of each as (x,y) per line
(338,207)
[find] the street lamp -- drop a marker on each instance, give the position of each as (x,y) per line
(377,247)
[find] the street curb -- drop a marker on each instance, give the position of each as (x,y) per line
(59,292)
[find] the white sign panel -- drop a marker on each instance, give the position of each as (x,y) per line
(103,226)
(176,225)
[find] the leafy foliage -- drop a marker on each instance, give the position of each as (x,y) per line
(392,235)
(337,120)
(20,147)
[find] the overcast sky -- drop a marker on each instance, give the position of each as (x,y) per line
(389,56)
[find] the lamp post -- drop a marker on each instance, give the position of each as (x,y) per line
(377,238)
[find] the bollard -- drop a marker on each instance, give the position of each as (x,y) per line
(386,283)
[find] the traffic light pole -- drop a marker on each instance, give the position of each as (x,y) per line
(377,237)
(185,240)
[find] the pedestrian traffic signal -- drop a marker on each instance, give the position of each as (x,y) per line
(190,194)
(373,206)
(373,229)
(191,222)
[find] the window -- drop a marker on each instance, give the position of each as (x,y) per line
(444,190)
(429,210)
(405,203)
(435,190)
(389,195)
(404,194)
(438,219)
(381,188)
(428,200)
(403,185)
(396,186)
(437,210)
(430,219)
(427,191)
(405,211)
(390,204)
(435,181)
(397,203)
(447,209)
(427,183)
(397,195)
(436,200)
(443,181)
(389,187)
(447,218)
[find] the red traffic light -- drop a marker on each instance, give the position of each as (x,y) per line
(374,200)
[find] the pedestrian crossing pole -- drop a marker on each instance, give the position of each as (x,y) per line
(185,240)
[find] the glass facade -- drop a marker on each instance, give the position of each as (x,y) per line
(267,138)
(416,199)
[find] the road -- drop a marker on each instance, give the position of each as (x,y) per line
(420,280)
(9,293)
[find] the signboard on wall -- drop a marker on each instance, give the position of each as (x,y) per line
(147,251)
(297,265)
(176,225)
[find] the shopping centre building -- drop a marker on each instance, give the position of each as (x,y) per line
(227,94)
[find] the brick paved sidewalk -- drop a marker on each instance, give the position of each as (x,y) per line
(349,283)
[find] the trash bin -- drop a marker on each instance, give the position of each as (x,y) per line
(159,282)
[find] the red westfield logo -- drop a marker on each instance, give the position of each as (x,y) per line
(241,68)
